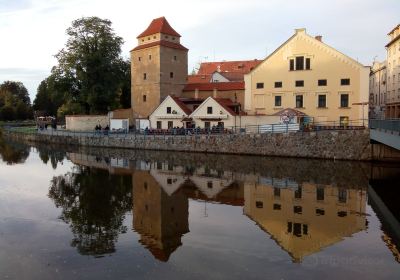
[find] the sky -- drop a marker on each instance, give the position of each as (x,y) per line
(33,31)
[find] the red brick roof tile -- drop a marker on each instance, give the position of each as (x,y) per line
(182,105)
(218,86)
(161,43)
(159,25)
(197,79)
(244,66)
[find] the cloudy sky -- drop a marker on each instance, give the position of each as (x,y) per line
(33,31)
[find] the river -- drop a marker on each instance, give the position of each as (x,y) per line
(79,213)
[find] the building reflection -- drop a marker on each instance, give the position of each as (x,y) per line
(302,217)
(305,218)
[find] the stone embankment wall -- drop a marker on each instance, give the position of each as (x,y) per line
(341,145)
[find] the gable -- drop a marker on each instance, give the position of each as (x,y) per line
(161,110)
(210,102)
(302,43)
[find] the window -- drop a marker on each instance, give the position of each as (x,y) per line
(320,193)
(159,124)
(299,101)
(149,56)
(209,110)
(169,181)
(209,184)
(171,74)
(297,209)
(139,58)
(291,65)
(144,98)
(298,192)
(278,101)
(344,121)
(342,195)
(145,185)
(175,57)
(289,227)
(322,83)
(322,101)
(207,124)
(260,85)
(342,214)
(299,83)
(169,110)
(170,124)
(144,76)
(259,204)
(277,206)
(300,63)
(170,165)
(159,164)
(308,63)
(278,84)
(319,212)
(344,100)
(345,82)
(277,192)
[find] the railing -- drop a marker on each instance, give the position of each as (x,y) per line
(391,124)
(215,130)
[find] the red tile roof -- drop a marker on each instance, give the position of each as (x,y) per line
(244,66)
(182,105)
(161,43)
(196,79)
(211,86)
(159,25)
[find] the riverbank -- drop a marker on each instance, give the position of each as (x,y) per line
(340,145)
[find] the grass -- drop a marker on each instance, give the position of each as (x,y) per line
(25,129)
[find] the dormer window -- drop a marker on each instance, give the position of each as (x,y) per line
(148,38)
(154,37)
(166,37)
(173,38)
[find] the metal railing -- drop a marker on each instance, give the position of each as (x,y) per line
(215,130)
(388,124)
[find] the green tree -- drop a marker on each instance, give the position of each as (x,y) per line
(94,204)
(14,101)
(92,65)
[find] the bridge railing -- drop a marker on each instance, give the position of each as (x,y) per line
(391,125)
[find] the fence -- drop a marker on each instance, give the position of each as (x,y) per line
(215,130)
(391,124)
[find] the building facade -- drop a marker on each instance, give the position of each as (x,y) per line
(159,67)
(377,90)
(312,77)
(393,74)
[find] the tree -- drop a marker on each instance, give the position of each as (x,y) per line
(92,64)
(94,204)
(14,101)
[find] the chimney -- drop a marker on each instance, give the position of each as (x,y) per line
(319,38)
(215,93)
(196,93)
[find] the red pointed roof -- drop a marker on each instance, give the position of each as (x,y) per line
(159,25)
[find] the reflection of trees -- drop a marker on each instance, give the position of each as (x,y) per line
(47,153)
(13,152)
(94,203)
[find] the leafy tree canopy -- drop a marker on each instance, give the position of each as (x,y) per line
(14,101)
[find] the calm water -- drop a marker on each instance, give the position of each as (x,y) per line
(68,213)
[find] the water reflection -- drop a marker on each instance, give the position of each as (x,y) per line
(302,213)
(14,152)
(94,204)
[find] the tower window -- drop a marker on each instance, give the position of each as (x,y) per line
(139,58)
(144,76)
(144,98)
(171,74)
(149,56)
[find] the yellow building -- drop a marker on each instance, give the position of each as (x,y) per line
(305,218)
(306,74)
(393,74)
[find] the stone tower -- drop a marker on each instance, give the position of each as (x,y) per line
(159,67)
